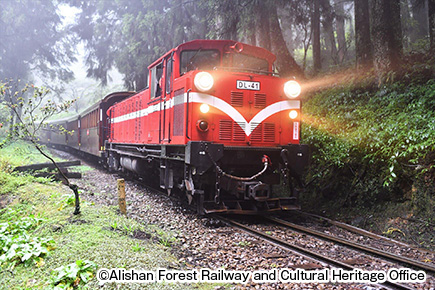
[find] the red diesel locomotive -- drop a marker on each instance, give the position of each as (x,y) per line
(214,122)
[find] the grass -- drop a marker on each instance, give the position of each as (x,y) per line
(87,236)
(91,236)
(21,153)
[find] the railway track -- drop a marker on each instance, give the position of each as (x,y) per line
(315,256)
(367,249)
(325,261)
(362,232)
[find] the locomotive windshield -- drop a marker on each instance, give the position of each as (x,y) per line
(209,59)
(249,62)
(199,59)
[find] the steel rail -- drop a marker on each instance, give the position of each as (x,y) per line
(366,249)
(300,250)
(364,232)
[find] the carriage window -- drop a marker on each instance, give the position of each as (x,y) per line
(156,80)
(250,62)
(199,59)
(168,78)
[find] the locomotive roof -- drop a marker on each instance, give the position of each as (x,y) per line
(224,45)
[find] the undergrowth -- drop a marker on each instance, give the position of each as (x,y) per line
(42,246)
(372,145)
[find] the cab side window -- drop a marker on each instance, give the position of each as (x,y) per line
(157,81)
(168,76)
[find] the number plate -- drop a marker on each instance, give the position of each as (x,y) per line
(246,85)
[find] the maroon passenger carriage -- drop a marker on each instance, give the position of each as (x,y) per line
(86,132)
(216,123)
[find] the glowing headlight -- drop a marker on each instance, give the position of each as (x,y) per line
(292,89)
(293,114)
(204,108)
(203,81)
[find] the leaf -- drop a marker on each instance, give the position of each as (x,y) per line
(393,230)
(26,256)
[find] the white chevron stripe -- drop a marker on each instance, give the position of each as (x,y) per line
(221,105)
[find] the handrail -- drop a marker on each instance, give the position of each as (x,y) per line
(187,114)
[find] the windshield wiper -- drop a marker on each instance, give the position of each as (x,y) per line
(192,59)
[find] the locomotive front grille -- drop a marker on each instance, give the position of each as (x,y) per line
(257,134)
(260,101)
(233,131)
(225,129)
(239,132)
(269,132)
(237,99)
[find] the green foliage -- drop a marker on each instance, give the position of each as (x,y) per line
(114,225)
(370,144)
(18,246)
(137,248)
(74,274)
(165,238)
(31,110)
(31,107)
(76,238)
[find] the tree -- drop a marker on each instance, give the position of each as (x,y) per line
(341,35)
(263,24)
(363,43)
(315,23)
(285,62)
(420,28)
(431,16)
(33,39)
(386,35)
(32,109)
(328,26)
(302,13)
(131,34)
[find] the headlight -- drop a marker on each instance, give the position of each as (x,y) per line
(292,89)
(293,114)
(204,108)
(203,81)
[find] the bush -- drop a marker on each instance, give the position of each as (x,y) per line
(370,145)
(74,274)
(18,246)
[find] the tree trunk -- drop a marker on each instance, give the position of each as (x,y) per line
(431,14)
(363,43)
(263,27)
(328,25)
(407,27)
(285,62)
(420,29)
(341,35)
(252,32)
(315,24)
(229,21)
(387,36)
